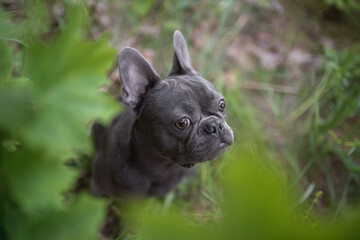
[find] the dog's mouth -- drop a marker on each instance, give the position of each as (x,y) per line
(221,149)
(188,165)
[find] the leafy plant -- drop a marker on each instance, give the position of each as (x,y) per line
(256,206)
(45,109)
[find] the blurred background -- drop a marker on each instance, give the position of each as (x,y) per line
(290,71)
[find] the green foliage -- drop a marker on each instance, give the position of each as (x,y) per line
(330,106)
(67,93)
(77,221)
(9,29)
(342,97)
(44,114)
(256,206)
(345,4)
(37,20)
(5,61)
(141,7)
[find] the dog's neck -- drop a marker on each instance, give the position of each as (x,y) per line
(154,163)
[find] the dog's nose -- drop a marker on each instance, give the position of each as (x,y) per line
(214,127)
(217,127)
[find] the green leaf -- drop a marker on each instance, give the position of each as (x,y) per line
(78,221)
(35,182)
(66,78)
(14,107)
(174,227)
(44,118)
(256,206)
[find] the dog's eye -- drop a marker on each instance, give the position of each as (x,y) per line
(183,123)
(222,105)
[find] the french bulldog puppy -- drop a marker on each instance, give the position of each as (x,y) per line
(169,126)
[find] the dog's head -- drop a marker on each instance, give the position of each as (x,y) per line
(182,117)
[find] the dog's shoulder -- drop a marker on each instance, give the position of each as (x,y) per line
(121,126)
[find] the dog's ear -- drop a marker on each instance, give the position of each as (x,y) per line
(136,76)
(181,61)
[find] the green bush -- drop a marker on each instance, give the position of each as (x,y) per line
(46,103)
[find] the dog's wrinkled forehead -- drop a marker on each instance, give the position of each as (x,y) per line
(201,87)
(183,93)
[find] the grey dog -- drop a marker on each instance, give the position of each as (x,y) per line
(169,126)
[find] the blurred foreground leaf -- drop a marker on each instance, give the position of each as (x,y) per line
(66,77)
(44,114)
(256,207)
(35,182)
(79,221)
